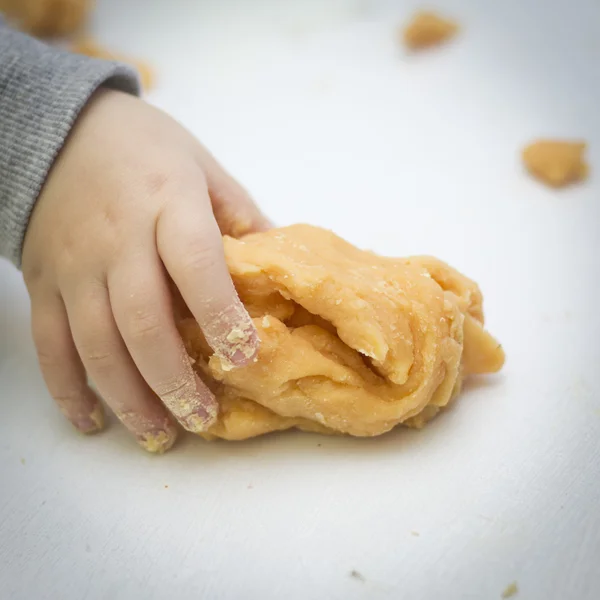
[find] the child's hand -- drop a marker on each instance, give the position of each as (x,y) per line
(132,201)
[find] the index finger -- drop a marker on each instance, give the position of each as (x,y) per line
(191,247)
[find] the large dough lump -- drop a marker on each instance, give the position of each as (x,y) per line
(351,342)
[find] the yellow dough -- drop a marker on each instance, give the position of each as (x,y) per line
(351,342)
(427,29)
(56,18)
(47,18)
(556,162)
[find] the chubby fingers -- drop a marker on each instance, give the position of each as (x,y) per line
(143,311)
(61,366)
(191,248)
(111,368)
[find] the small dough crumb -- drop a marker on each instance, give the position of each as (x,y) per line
(556,162)
(89,47)
(511,590)
(427,29)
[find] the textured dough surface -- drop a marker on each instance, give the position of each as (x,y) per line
(556,162)
(351,342)
(428,29)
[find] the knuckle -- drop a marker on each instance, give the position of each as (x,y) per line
(32,273)
(160,181)
(72,263)
(48,358)
(143,325)
(157,181)
(46,346)
(199,257)
(99,356)
(69,252)
(174,389)
(98,360)
(69,400)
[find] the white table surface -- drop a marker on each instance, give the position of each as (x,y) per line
(317,110)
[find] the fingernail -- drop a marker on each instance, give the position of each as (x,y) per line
(91,423)
(154,433)
(158,442)
(243,344)
(233,337)
(193,404)
(202,411)
(201,422)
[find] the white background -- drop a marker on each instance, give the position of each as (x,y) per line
(318,111)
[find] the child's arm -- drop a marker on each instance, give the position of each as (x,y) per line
(42,91)
(126,200)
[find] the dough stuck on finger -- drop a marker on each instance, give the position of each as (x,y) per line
(351,342)
(87,416)
(427,29)
(556,162)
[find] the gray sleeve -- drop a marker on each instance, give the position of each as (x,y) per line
(42,91)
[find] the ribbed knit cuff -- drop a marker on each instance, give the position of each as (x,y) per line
(42,92)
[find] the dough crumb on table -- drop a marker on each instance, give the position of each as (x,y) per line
(427,29)
(351,342)
(556,162)
(510,590)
